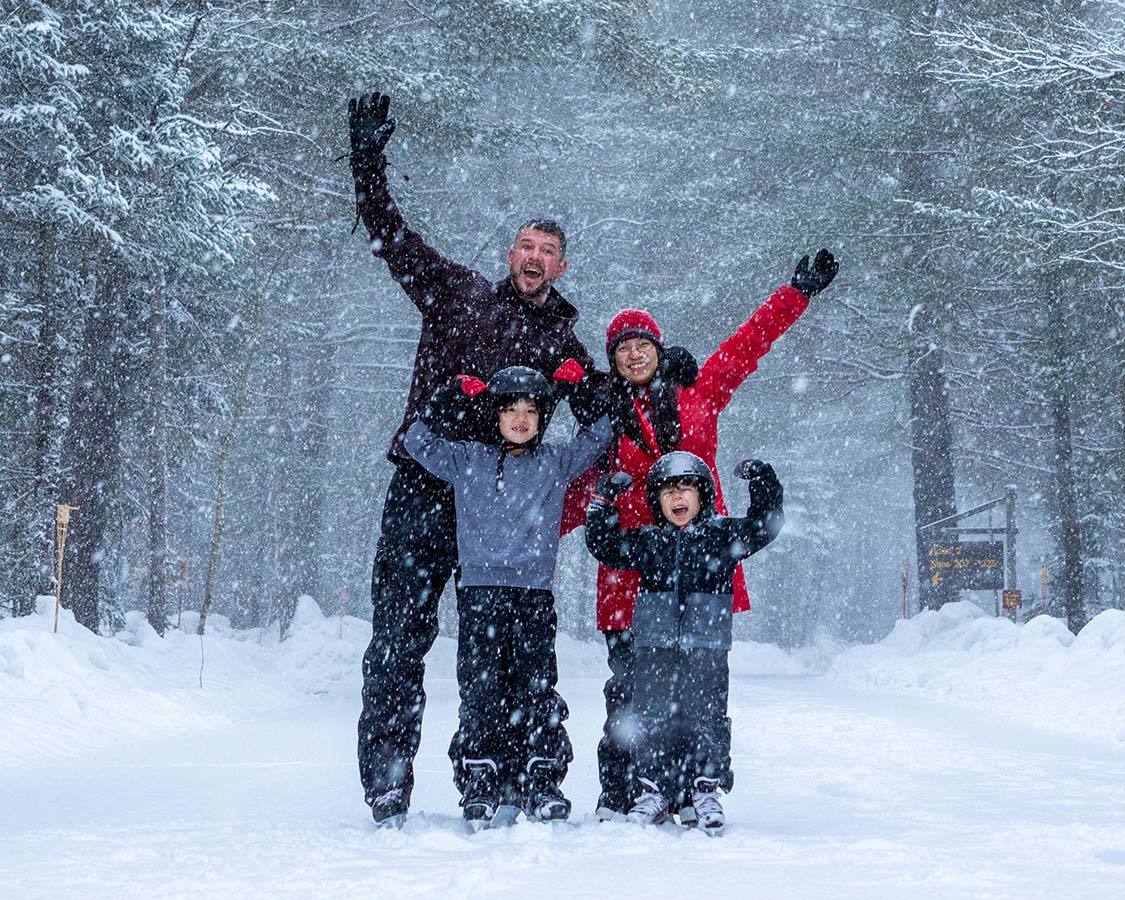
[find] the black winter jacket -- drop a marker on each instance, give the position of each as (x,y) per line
(470,325)
(686,573)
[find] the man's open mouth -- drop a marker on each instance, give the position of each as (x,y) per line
(532,272)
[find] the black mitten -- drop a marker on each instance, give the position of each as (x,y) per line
(766,493)
(679,367)
(589,399)
(812,281)
(370,128)
(612,485)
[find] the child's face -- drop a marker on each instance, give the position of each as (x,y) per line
(519,421)
(679,502)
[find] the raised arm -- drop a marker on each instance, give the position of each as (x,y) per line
(605,539)
(429,279)
(586,447)
(737,357)
(441,458)
(584,392)
(765,515)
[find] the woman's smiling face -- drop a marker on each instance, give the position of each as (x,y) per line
(635,360)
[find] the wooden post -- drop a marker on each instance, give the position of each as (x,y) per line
(343,607)
(906,588)
(1044,580)
(62,526)
(181,590)
(1010,536)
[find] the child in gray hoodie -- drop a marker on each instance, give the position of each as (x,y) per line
(510,752)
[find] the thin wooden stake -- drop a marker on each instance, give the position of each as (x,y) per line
(62,526)
(181,591)
(343,607)
(906,588)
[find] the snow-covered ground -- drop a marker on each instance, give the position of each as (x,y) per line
(960,757)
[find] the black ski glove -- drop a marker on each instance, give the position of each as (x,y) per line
(370,129)
(679,366)
(452,414)
(613,485)
(434,410)
(812,281)
(766,492)
(589,400)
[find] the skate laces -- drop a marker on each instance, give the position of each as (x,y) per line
(649,806)
(705,798)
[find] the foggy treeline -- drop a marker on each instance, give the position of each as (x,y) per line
(185,312)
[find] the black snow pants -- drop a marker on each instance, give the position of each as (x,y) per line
(510,711)
(683,733)
(417,553)
(614,764)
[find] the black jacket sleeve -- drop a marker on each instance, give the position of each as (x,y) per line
(609,544)
(431,281)
(747,535)
(589,399)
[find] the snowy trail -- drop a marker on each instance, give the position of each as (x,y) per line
(841,793)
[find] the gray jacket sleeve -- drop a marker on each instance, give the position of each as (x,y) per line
(438,456)
(577,456)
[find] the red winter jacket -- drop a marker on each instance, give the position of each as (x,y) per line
(699,406)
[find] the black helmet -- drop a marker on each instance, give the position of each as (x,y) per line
(677,466)
(521,383)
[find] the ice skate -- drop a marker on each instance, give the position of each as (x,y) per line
(480,800)
(708,807)
(389,809)
(650,808)
(545,800)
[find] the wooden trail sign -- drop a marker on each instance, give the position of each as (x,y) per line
(968,565)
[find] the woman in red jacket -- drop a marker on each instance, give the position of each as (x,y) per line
(653,416)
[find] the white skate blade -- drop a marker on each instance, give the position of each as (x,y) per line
(504,817)
(392,823)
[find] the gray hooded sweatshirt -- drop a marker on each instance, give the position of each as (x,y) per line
(508,515)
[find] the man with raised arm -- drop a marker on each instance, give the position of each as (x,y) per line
(470,325)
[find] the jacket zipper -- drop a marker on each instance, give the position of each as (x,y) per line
(679,594)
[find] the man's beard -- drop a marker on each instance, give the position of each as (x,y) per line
(542,291)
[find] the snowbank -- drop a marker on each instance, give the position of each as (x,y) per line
(1037,673)
(65,694)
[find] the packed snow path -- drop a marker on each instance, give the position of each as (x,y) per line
(841,793)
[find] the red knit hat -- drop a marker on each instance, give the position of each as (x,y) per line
(631,323)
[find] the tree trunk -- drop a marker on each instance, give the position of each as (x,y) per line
(312,443)
(34,569)
(158,466)
(91,450)
(932,458)
(1070,530)
(226,446)
(931,420)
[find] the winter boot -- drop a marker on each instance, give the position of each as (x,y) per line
(650,808)
(545,800)
(481,796)
(389,808)
(708,808)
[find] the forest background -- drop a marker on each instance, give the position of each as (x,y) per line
(198,353)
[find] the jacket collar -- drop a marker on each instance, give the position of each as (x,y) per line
(557,306)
